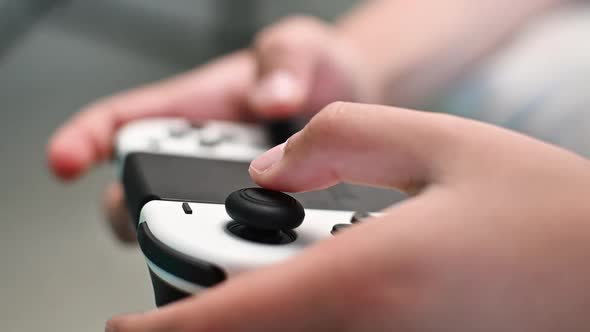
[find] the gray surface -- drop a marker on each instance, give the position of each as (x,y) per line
(61,270)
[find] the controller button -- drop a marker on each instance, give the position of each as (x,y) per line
(359,216)
(210,137)
(339,227)
(179,132)
(264,209)
(153,145)
(187,208)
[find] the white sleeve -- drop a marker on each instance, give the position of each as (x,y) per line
(539,84)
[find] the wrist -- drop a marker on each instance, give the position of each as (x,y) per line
(407,50)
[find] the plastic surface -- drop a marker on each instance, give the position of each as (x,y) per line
(164,293)
(264,209)
(174,136)
(203,236)
(148,176)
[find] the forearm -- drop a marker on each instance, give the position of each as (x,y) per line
(411,47)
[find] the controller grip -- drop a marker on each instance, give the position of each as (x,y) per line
(163,292)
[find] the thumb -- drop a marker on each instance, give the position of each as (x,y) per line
(352,142)
(364,144)
(287,54)
(312,291)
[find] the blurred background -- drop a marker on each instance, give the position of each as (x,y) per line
(61,269)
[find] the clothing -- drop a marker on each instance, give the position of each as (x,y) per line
(539,84)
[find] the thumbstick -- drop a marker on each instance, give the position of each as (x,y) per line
(263,215)
(264,209)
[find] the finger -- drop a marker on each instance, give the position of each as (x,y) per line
(287,54)
(367,144)
(215,92)
(117,213)
(310,292)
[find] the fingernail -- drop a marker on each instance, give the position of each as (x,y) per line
(268,159)
(278,87)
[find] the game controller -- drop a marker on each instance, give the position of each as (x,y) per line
(190,246)
(176,136)
(176,177)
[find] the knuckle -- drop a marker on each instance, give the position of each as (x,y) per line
(267,43)
(331,116)
(327,124)
(288,35)
(291,143)
(335,109)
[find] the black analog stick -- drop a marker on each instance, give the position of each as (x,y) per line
(263,215)
(264,209)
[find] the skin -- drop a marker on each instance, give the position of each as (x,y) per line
(245,86)
(482,263)
(460,255)
(296,67)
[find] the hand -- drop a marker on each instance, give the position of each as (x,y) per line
(297,65)
(496,237)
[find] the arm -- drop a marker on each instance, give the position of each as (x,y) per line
(425,43)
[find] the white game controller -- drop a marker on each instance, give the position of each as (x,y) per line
(191,246)
(175,136)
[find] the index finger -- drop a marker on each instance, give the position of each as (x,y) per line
(216,91)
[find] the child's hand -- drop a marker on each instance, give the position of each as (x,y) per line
(298,65)
(497,237)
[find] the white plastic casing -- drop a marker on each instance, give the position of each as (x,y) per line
(203,235)
(175,136)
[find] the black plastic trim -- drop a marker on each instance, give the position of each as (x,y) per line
(183,266)
(165,293)
(360,216)
(339,227)
(152,176)
(243,232)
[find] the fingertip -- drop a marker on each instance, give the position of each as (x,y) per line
(278,95)
(68,157)
(267,160)
(276,110)
(266,181)
(262,170)
(284,178)
(118,215)
(120,324)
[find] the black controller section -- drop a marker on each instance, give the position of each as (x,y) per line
(149,176)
